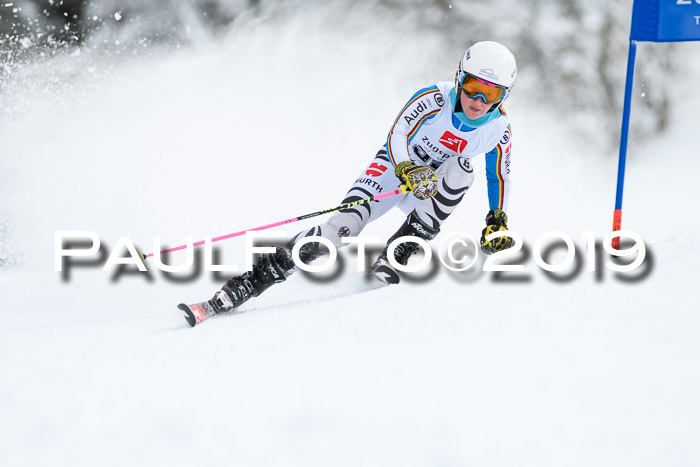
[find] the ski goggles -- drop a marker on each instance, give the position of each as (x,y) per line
(475,87)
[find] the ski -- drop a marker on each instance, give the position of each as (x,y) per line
(197,312)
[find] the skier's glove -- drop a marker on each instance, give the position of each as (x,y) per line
(495,221)
(421,180)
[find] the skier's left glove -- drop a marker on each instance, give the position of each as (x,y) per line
(495,221)
(421,180)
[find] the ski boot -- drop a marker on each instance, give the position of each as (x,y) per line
(270,269)
(413,227)
(240,289)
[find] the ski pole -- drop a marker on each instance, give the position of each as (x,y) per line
(401,190)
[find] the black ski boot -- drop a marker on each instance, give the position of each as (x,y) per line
(413,227)
(240,289)
(270,269)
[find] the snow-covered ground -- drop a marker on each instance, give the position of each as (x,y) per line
(452,370)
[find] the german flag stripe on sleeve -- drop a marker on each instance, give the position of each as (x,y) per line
(427,116)
(411,101)
(501,184)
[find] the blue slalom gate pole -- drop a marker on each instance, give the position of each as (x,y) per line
(652,21)
(617,215)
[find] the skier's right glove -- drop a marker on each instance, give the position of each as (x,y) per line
(495,221)
(421,180)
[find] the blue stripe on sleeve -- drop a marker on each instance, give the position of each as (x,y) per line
(493,183)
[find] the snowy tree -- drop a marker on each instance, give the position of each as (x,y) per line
(571,54)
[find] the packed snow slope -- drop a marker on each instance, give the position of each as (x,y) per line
(447,369)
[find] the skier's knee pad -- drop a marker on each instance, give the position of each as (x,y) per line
(342,225)
(338,226)
(456,173)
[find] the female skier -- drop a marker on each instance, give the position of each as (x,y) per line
(428,149)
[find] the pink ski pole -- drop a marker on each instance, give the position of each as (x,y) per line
(401,190)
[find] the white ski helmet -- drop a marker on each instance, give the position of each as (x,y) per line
(488,61)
